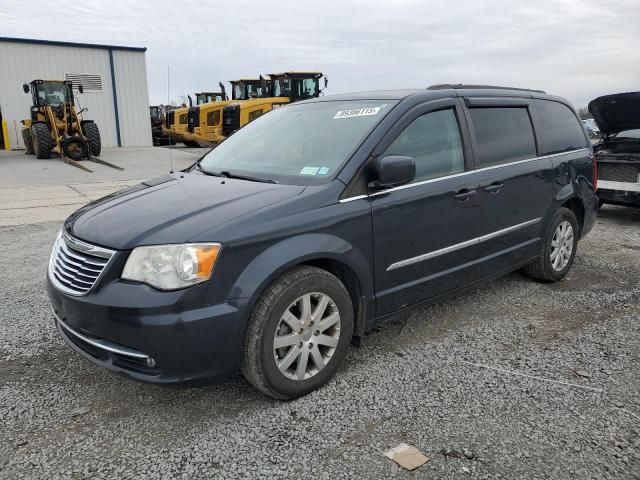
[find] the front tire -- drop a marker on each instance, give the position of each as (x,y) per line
(558,250)
(298,333)
(41,140)
(94,142)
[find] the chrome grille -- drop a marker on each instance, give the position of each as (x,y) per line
(76,266)
(619,172)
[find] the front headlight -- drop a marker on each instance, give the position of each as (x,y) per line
(169,267)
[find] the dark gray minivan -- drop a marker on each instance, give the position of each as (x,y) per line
(315,222)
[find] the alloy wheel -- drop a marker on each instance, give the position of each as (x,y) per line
(306,336)
(561,246)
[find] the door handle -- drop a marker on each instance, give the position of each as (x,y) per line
(465,194)
(494,188)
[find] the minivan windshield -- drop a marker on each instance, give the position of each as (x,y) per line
(300,144)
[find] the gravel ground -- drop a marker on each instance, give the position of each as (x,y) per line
(421,379)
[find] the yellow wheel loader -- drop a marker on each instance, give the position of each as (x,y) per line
(175,124)
(282,88)
(56,126)
(179,123)
(205,120)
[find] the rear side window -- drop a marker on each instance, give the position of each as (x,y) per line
(433,141)
(560,129)
(503,135)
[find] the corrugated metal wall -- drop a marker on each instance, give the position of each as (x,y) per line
(20,63)
(130,71)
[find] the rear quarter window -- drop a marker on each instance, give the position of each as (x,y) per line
(560,129)
(503,135)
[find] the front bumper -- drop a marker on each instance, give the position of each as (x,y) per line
(149,335)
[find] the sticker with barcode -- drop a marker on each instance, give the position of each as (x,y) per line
(357,112)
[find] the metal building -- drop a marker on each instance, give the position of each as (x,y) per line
(114,80)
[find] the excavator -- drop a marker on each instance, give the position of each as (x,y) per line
(55,125)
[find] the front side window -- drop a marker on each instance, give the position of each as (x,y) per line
(282,87)
(560,128)
(433,141)
(298,144)
(239,91)
(503,135)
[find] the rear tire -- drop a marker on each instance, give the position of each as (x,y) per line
(92,132)
(41,139)
(558,250)
(315,342)
(28,141)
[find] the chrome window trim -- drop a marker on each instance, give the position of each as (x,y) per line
(468,172)
(101,344)
(460,246)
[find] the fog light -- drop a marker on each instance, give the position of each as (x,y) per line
(151,362)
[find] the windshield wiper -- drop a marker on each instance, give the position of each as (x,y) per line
(228,174)
(207,172)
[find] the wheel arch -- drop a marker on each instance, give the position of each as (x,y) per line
(324,251)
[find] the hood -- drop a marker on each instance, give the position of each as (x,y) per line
(616,113)
(171,209)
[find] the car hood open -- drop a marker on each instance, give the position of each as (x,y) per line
(616,113)
(171,209)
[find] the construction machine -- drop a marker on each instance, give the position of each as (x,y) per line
(157,115)
(205,120)
(211,123)
(181,121)
(283,88)
(56,126)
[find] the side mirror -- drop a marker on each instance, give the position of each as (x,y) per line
(80,88)
(394,170)
(25,87)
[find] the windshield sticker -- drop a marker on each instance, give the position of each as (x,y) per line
(323,170)
(357,112)
(309,171)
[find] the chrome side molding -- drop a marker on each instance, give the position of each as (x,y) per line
(460,246)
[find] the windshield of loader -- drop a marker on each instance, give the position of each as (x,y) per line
(296,88)
(54,93)
(300,144)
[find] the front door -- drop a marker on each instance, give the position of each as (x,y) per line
(424,232)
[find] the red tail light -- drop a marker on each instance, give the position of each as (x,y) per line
(595,172)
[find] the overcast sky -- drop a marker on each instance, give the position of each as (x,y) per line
(576,49)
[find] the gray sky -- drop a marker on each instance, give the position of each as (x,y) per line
(576,49)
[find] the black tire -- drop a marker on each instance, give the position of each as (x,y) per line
(92,132)
(191,144)
(28,141)
(542,269)
(259,361)
(41,139)
(75,148)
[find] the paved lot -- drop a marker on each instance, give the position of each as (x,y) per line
(423,379)
(33,190)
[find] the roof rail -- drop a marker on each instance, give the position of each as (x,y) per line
(460,86)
